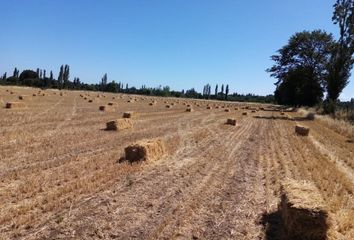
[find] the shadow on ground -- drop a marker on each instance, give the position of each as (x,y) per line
(298,119)
(272,225)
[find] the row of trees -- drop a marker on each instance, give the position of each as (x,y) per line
(217,95)
(39,79)
(314,65)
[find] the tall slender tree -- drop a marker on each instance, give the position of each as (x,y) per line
(341,61)
(61,76)
(227,91)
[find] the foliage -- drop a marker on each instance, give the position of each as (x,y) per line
(301,67)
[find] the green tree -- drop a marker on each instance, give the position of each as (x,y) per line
(306,56)
(61,76)
(341,61)
(227,91)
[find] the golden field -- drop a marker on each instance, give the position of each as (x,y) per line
(63,175)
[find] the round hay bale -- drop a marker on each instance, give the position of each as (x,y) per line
(189,109)
(244,113)
(226,110)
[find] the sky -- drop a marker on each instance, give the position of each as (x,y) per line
(179,43)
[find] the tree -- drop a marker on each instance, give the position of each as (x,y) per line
(4,76)
(16,73)
(51,76)
(222,89)
(341,61)
(227,91)
(61,76)
(66,75)
(28,74)
(306,56)
(44,73)
(216,91)
(103,82)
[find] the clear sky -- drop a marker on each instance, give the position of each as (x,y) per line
(180,43)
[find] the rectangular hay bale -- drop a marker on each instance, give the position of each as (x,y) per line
(301,130)
(152,149)
(231,121)
(303,211)
(119,124)
(15,105)
(130,115)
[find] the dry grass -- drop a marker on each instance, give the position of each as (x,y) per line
(61,176)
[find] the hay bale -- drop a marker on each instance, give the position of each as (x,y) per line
(119,124)
(111,103)
(15,105)
(34,95)
(231,121)
(244,113)
(152,149)
(22,97)
(282,113)
(227,110)
(236,108)
(90,101)
(301,130)
(105,108)
(303,211)
(168,106)
(253,111)
(310,116)
(130,115)
(209,107)
(189,109)
(152,103)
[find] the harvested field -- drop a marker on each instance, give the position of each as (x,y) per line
(62,178)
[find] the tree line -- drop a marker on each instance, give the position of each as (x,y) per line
(40,79)
(314,67)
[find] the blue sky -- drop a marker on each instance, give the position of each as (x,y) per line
(180,43)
